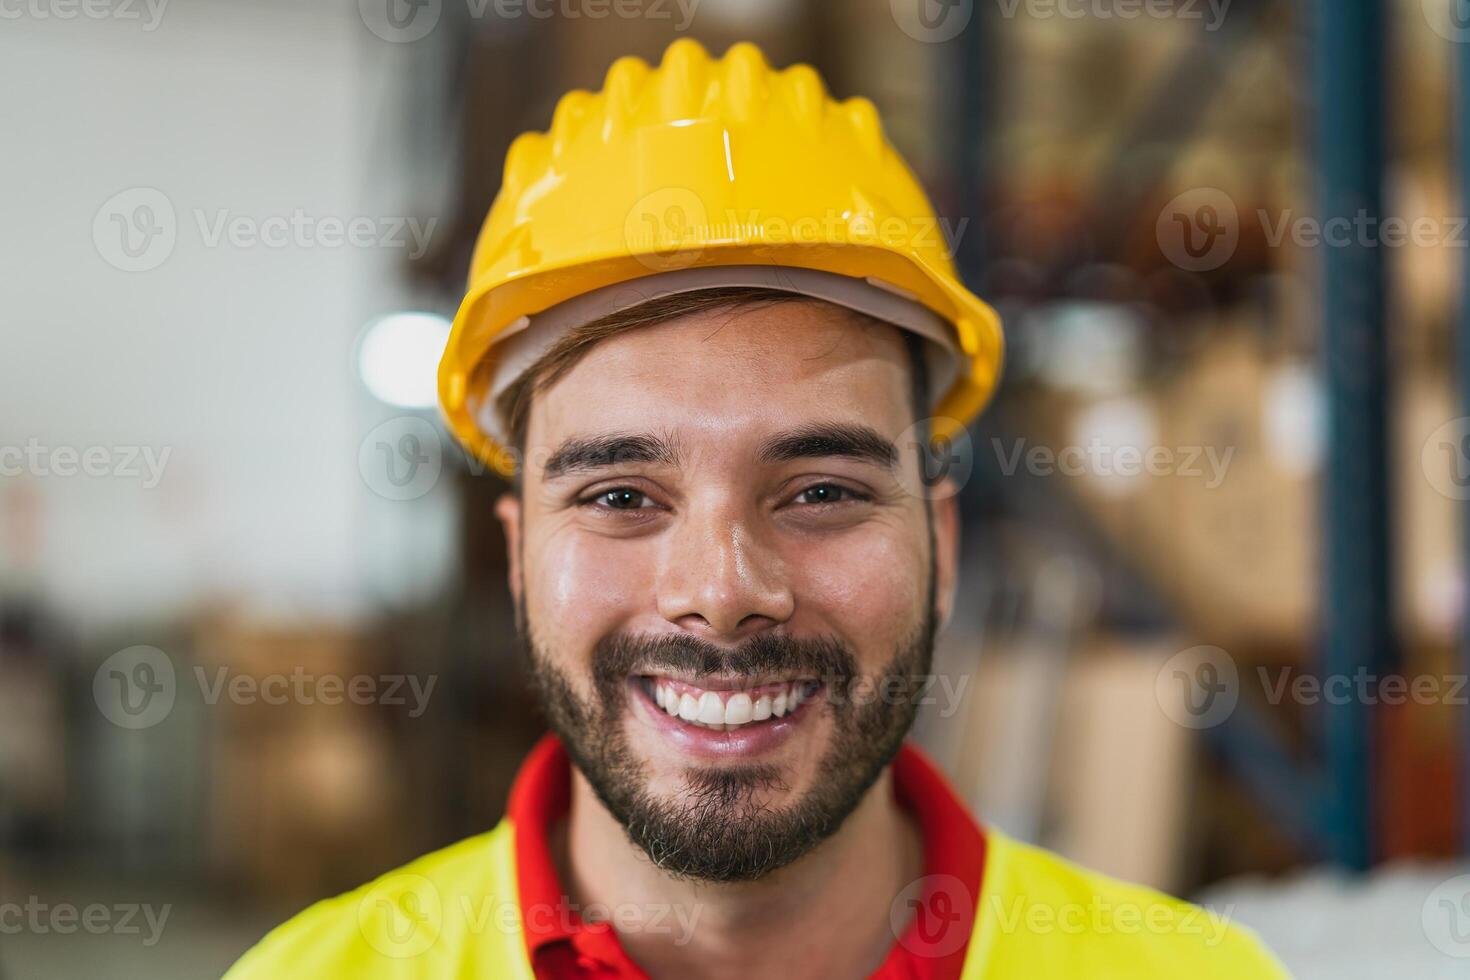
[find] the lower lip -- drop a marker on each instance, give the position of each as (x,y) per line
(744,742)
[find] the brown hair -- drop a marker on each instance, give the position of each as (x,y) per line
(514,403)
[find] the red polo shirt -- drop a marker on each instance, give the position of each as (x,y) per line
(563,946)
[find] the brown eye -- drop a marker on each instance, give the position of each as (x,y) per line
(825,493)
(622,498)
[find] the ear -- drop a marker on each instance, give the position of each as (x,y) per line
(946,510)
(508,509)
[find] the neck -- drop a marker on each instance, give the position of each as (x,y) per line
(826,914)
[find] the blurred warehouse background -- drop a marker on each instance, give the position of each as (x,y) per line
(255,645)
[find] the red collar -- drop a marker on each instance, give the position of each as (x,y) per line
(562,945)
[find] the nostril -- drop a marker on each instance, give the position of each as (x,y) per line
(756,622)
(693,622)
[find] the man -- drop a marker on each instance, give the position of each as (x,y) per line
(710,330)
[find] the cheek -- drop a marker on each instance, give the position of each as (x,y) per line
(579,588)
(869,588)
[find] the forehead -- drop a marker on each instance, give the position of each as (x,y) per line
(722,375)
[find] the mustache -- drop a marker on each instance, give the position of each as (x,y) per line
(620,655)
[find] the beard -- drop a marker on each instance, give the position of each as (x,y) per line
(718,829)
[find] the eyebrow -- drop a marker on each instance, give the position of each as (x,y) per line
(831,439)
(593,452)
(812,441)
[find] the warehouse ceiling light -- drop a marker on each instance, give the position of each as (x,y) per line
(398,357)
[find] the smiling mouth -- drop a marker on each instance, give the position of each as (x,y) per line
(730,709)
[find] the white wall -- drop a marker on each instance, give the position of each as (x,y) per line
(236,361)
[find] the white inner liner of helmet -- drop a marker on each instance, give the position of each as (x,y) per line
(527,340)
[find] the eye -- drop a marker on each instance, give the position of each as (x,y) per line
(827,493)
(620,498)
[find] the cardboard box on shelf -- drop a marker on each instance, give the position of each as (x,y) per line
(1080,754)
(1215,501)
(298,745)
(254,674)
(1423,258)
(299,813)
(1244,553)
(1419,756)
(1236,543)
(1430,479)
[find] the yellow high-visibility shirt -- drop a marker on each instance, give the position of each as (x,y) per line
(459,914)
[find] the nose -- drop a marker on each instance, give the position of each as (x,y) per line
(720,580)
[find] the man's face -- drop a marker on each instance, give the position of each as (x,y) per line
(727,590)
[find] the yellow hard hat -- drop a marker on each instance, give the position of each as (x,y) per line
(694,174)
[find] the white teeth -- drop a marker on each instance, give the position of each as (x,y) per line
(711,709)
(738,709)
(688,708)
